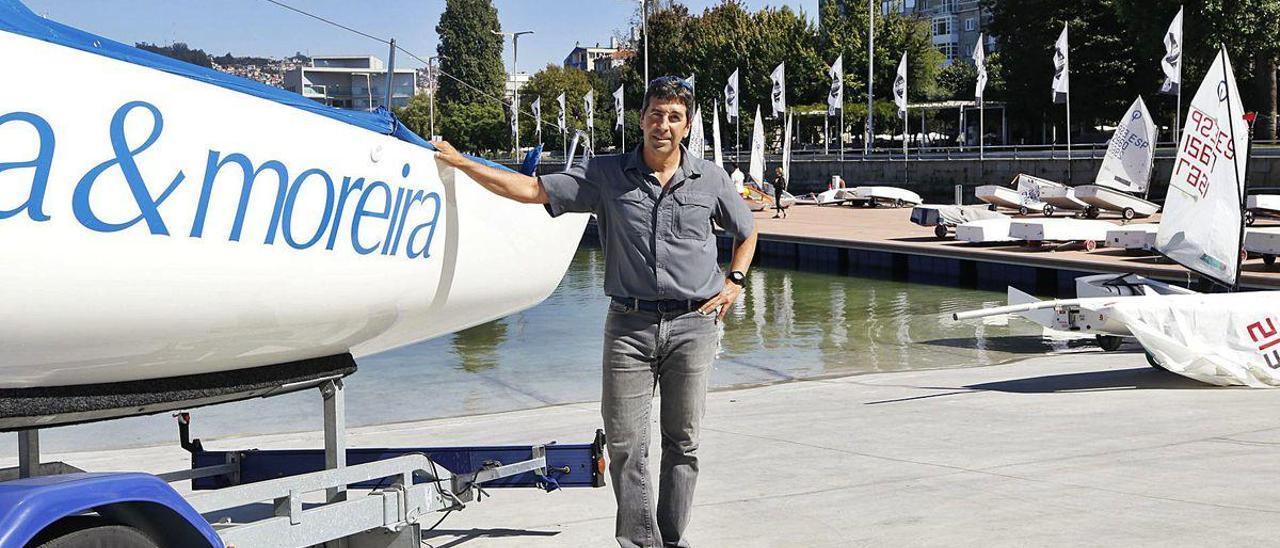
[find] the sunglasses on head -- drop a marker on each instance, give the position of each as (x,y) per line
(672,79)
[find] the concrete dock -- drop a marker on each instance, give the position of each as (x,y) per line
(1079,449)
(889,231)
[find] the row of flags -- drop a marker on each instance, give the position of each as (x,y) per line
(1170,63)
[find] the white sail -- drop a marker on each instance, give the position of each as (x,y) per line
(756,169)
(715,133)
(1127,165)
(697,141)
(786,150)
(1200,228)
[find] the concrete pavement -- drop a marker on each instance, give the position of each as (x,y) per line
(1082,449)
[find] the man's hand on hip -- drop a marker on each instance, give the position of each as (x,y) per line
(719,305)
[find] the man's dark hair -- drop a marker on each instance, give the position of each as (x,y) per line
(669,87)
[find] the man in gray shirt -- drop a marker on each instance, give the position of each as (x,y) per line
(655,206)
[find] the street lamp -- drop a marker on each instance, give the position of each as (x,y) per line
(515,67)
(435,83)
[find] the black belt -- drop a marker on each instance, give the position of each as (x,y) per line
(665,306)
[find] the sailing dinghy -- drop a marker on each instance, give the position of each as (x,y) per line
(1126,168)
(1023,194)
(1221,339)
(181,236)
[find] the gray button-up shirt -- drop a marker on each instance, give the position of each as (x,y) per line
(658,242)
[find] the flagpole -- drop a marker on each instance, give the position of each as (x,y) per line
(871,60)
(840,133)
(1068,133)
(982,129)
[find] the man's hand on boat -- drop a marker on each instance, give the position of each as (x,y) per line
(508,184)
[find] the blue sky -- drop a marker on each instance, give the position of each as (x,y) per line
(256,27)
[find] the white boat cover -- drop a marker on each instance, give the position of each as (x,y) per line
(1263,202)
(756,167)
(1221,339)
(1059,230)
(1134,236)
(984,231)
(1201,224)
(1265,240)
(1127,165)
(886,193)
(951,215)
(832,196)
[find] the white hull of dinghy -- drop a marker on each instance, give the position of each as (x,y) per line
(1007,198)
(886,195)
(1110,199)
(1060,198)
(1262,205)
(153,253)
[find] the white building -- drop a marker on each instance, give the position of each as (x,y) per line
(585,58)
(514,84)
(351,81)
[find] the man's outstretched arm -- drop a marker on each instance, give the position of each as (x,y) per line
(508,184)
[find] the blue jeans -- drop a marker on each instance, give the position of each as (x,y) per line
(644,351)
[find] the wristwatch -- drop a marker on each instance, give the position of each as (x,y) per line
(738,277)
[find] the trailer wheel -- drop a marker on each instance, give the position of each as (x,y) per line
(1091,212)
(899,203)
(992,207)
(1022,210)
(1269,260)
(1249,218)
(940,231)
(1048,210)
(1090,245)
(1109,343)
(93,533)
(1129,213)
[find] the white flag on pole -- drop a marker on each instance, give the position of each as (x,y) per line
(697,140)
(731,97)
(980,61)
(900,86)
(1172,60)
(715,132)
(779,94)
(589,101)
(537,116)
(560,120)
(1061,69)
(835,99)
(617,107)
(756,168)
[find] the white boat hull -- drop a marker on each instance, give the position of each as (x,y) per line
(1005,197)
(160,258)
(1264,241)
(1109,199)
(888,195)
(1062,198)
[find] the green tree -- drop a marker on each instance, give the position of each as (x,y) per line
(479,128)
(470,52)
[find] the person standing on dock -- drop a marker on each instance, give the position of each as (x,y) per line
(739,180)
(654,206)
(779,186)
